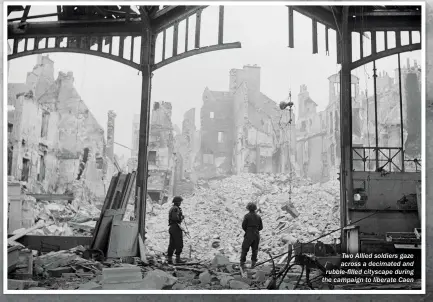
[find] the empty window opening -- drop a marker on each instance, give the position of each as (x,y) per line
(221,138)
(10,128)
(41,171)
(10,157)
(44,128)
(83,163)
(152,158)
(25,170)
(331,124)
(212,115)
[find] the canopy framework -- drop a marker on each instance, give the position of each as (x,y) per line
(91,29)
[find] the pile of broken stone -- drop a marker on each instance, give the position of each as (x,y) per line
(61,217)
(68,270)
(215,211)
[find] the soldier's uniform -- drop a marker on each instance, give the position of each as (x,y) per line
(175,218)
(252,225)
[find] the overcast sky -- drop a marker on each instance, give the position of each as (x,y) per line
(107,85)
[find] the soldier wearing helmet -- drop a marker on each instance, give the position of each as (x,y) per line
(252,225)
(175,218)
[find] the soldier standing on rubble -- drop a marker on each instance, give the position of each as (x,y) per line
(252,225)
(175,218)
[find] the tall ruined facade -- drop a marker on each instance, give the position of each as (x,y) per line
(318,133)
(242,130)
(53,138)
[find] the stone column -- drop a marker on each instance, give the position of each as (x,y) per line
(110,134)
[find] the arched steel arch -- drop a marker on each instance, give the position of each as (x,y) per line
(375,55)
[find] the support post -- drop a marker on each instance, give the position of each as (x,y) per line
(346,180)
(401,115)
(141,182)
(291,37)
(376,130)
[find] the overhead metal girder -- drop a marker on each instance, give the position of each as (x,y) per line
(389,23)
(74,28)
(176,14)
(383,54)
(327,17)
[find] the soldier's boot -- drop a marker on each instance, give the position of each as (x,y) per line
(170,260)
(179,260)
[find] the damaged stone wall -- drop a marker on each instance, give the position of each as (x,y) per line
(242,130)
(216,134)
(54,137)
(161,160)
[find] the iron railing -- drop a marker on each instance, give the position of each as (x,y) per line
(384,159)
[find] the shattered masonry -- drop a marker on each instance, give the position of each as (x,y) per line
(161,158)
(53,138)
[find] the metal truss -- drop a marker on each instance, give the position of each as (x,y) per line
(114,39)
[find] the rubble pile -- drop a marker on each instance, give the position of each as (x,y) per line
(215,211)
(65,218)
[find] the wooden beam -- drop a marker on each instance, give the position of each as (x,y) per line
(221,25)
(50,197)
(361,44)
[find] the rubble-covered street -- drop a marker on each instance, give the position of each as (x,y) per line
(215,211)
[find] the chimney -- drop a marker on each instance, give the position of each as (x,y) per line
(110,134)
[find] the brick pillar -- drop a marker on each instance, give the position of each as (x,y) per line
(110,134)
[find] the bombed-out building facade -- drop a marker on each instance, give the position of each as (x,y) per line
(161,156)
(243,130)
(53,138)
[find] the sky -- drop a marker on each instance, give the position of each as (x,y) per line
(108,85)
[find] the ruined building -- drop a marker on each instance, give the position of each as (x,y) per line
(161,157)
(318,133)
(243,130)
(53,138)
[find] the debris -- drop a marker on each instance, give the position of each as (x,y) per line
(158,279)
(23,233)
(90,286)
(21,284)
(205,278)
(125,277)
(220,260)
(235,284)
